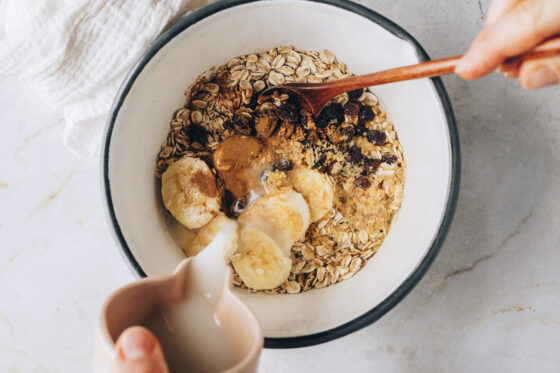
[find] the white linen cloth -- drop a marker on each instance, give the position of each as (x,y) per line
(75,53)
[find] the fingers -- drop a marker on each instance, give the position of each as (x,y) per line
(138,351)
(520,29)
(540,73)
(498,8)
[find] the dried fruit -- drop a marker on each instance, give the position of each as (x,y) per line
(355,155)
(371,165)
(366,114)
(389,159)
(376,137)
(352,109)
(348,133)
(197,133)
(355,93)
(362,182)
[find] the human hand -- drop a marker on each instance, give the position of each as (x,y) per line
(138,351)
(513,27)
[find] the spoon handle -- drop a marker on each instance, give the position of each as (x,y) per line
(439,67)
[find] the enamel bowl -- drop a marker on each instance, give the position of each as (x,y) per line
(366,42)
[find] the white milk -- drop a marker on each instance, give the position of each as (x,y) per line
(190,332)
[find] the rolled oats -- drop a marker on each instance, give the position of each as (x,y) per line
(352,141)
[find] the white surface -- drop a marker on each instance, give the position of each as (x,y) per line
(62,48)
(143,123)
(489,303)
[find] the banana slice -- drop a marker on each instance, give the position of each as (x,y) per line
(262,265)
(316,189)
(206,234)
(189,192)
(283,215)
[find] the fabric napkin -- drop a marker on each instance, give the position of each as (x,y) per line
(75,53)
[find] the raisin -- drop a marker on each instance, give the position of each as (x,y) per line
(197,133)
(335,112)
(365,115)
(348,133)
(355,94)
(284,165)
(362,182)
(355,155)
(371,165)
(376,137)
(322,121)
(352,109)
(389,159)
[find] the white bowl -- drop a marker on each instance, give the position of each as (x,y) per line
(366,42)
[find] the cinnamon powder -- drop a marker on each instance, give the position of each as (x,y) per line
(205,183)
(237,161)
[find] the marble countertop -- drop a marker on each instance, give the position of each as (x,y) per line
(490,301)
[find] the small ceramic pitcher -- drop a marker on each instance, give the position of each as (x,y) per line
(134,303)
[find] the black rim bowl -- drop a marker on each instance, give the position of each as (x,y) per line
(391,301)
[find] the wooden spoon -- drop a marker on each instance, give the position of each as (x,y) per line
(314,96)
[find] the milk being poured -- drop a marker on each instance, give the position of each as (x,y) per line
(193,336)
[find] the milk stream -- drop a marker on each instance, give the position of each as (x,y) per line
(191,333)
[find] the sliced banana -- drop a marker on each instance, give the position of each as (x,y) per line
(189,192)
(262,265)
(316,189)
(283,215)
(206,234)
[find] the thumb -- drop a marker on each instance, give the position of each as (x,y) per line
(539,73)
(138,351)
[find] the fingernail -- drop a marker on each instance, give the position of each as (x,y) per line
(136,343)
(541,77)
(465,64)
(461,66)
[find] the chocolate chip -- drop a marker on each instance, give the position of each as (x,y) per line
(355,155)
(376,137)
(284,165)
(352,109)
(366,114)
(371,165)
(355,93)
(389,159)
(362,182)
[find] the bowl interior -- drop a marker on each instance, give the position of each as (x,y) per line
(143,119)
